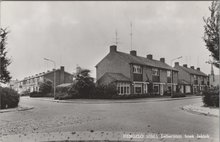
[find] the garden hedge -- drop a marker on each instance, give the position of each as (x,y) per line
(9,98)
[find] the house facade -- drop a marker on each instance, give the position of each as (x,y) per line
(191,80)
(133,74)
(32,83)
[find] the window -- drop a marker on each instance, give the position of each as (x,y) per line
(123,88)
(168,73)
(155,72)
(138,88)
(137,69)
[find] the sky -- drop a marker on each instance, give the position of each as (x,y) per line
(79,33)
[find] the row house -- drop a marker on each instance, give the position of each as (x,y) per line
(191,80)
(32,83)
(133,74)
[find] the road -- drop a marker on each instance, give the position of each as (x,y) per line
(142,115)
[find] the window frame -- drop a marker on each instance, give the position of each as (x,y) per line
(137,69)
(123,88)
(155,70)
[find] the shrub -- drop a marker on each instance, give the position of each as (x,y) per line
(67,92)
(105,91)
(25,93)
(9,98)
(36,94)
(167,93)
(178,95)
(45,87)
(211,97)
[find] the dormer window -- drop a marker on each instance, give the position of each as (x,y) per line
(155,72)
(137,69)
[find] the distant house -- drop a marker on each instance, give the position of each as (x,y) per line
(32,83)
(191,80)
(133,74)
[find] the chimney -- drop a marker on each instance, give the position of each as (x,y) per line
(198,69)
(176,63)
(185,65)
(62,75)
(113,48)
(133,52)
(192,67)
(150,56)
(162,60)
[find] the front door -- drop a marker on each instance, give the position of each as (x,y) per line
(161,89)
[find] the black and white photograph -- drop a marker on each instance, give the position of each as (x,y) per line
(109,71)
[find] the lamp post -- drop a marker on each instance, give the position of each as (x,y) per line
(54,81)
(171,91)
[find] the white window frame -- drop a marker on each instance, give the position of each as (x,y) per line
(123,88)
(168,73)
(155,70)
(137,69)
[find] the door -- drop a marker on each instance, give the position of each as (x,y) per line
(161,89)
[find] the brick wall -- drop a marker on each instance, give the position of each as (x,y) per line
(183,74)
(112,63)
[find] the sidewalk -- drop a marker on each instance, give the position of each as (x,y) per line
(19,108)
(200,109)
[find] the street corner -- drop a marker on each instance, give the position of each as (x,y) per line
(19,108)
(199,108)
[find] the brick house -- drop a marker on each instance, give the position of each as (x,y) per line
(191,80)
(32,83)
(133,74)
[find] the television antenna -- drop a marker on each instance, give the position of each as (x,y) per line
(116,37)
(131,34)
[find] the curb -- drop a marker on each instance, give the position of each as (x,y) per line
(19,108)
(189,108)
(119,101)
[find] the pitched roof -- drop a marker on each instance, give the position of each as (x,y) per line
(144,61)
(43,74)
(192,71)
(117,76)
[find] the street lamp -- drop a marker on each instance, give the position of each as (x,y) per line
(54,81)
(171,91)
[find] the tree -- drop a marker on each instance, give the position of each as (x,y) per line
(211,34)
(84,83)
(45,87)
(4,61)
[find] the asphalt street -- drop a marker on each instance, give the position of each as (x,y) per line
(141,116)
